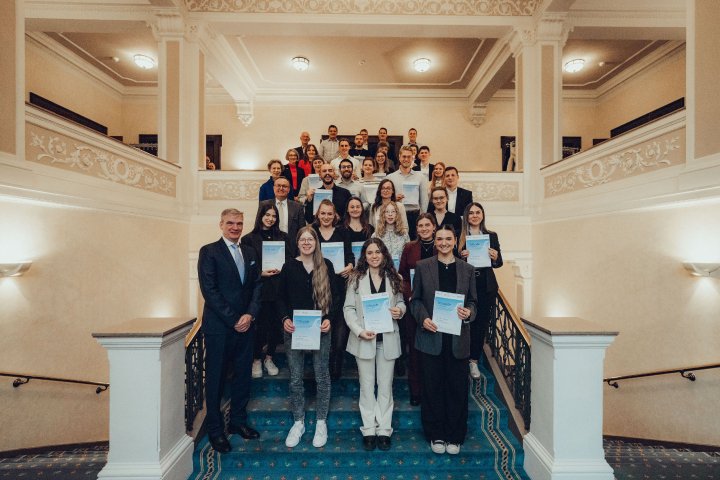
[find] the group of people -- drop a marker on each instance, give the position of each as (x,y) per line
(412,236)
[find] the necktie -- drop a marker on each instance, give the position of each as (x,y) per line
(283,218)
(237,256)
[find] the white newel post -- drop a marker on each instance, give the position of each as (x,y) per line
(565,438)
(147,400)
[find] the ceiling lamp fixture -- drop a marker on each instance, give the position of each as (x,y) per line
(300,64)
(143,61)
(421,65)
(574,65)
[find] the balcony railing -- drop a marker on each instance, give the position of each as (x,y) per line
(194,374)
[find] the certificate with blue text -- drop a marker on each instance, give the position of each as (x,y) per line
(412,194)
(320,195)
(314,181)
(307,329)
(356,249)
(273,255)
(445,314)
(396,262)
(335,252)
(376,312)
(478,246)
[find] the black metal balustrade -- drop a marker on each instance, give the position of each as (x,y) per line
(510,346)
(194,375)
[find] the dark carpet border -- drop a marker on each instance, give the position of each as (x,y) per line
(694,447)
(51,448)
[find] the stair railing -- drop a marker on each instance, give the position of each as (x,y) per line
(22,379)
(509,343)
(194,374)
(686,372)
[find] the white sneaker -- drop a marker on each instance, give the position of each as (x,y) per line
(474,370)
(257,369)
(295,433)
(320,438)
(452,448)
(271,368)
(437,446)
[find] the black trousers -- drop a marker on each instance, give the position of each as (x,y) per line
(444,407)
(269,330)
(237,349)
(412,217)
(408,329)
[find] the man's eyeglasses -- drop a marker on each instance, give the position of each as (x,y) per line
(282,186)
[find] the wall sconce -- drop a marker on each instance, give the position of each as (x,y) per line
(703,269)
(15,269)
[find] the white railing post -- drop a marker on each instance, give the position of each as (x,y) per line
(565,439)
(147,391)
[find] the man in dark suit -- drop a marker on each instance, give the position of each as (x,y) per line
(340,196)
(291,212)
(304,142)
(422,163)
(229,280)
(458,198)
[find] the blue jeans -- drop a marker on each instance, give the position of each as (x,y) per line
(321,362)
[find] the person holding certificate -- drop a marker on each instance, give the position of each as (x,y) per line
(266,230)
(439,199)
(414,251)
(355,223)
(373,305)
(444,357)
(305,285)
(312,180)
(473,225)
(332,237)
(384,195)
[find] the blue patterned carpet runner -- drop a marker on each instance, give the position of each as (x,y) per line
(490,450)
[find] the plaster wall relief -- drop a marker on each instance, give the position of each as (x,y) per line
(370,7)
(231,189)
(653,155)
(484,191)
(59,151)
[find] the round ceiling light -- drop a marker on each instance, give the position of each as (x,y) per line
(144,62)
(421,65)
(574,65)
(300,63)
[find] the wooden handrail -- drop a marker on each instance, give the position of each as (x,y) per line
(22,379)
(684,372)
(193,331)
(515,318)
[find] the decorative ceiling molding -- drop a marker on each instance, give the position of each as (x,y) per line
(371,7)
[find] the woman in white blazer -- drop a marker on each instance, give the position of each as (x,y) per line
(374,273)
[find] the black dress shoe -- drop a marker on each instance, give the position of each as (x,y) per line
(383,442)
(220,443)
(245,431)
(369,442)
(414,400)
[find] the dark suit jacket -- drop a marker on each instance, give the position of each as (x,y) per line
(269,284)
(296,221)
(464,198)
(226,297)
(416,167)
(485,277)
(425,285)
(300,175)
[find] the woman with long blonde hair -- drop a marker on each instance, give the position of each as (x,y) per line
(305,284)
(392,229)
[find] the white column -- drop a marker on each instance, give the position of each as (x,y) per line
(522,268)
(565,439)
(147,400)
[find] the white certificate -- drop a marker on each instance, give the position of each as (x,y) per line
(412,277)
(396,262)
(370,191)
(356,249)
(314,181)
(273,255)
(478,246)
(307,329)
(376,313)
(412,194)
(320,195)
(445,314)
(335,252)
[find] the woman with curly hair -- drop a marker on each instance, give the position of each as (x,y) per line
(374,351)
(385,193)
(392,229)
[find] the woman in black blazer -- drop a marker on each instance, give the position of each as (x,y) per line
(473,223)
(439,200)
(269,330)
(444,407)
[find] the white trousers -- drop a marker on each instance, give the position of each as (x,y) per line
(376,412)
